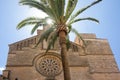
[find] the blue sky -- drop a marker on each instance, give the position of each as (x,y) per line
(107,12)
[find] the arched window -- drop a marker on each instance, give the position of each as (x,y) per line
(25,44)
(31,41)
(17,46)
(35,40)
(28,43)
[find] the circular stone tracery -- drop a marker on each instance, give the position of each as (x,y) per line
(49,65)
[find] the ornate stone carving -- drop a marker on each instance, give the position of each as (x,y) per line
(49,65)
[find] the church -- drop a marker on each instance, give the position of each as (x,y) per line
(95,62)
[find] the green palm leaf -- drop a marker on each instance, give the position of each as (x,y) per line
(70,8)
(81,19)
(40,6)
(54,8)
(52,40)
(45,35)
(29,21)
(69,27)
(76,32)
(68,42)
(83,9)
(35,27)
(33,3)
(60,4)
(44,2)
(61,7)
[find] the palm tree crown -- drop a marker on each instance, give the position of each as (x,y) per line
(62,17)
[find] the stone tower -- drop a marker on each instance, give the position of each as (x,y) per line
(94,62)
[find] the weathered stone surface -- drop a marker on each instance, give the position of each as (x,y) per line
(94,62)
(86,36)
(106,76)
(79,61)
(102,64)
(21,73)
(28,73)
(97,47)
(6,73)
(11,60)
(80,73)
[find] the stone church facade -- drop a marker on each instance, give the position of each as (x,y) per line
(94,62)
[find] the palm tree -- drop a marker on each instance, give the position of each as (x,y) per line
(62,17)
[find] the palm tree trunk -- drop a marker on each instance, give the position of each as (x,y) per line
(62,42)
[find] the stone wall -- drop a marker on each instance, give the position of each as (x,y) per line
(93,62)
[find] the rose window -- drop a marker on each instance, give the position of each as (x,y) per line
(49,65)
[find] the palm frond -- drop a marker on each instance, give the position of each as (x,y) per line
(81,19)
(54,8)
(68,42)
(76,32)
(40,6)
(33,3)
(29,21)
(52,40)
(83,9)
(35,27)
(44,1)
(62,7)
(70,8)
(45,35)
(60,4)
(69,27)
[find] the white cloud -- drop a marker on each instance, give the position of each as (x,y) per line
(1,69)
